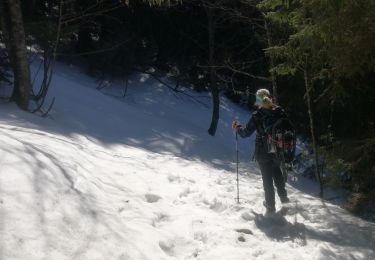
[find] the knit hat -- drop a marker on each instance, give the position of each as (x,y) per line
(263,93)
(263,96)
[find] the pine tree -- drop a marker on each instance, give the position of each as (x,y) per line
(304,52)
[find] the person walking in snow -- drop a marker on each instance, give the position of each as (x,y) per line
(268,162)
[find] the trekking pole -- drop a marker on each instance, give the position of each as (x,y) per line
(238,186)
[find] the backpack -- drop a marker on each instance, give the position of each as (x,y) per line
(282,140)
(280,135)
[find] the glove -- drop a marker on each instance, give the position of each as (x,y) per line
(236,125)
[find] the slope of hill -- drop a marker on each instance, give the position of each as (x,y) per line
(105,177)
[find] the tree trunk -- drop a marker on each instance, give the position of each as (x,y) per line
(308,86)
(30,7)
(5,29)
(213,87)
(16,45)
(272,62)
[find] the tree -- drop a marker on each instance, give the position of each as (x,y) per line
(222,14)
(303,52)
(14,34)
(348,30)
(211,24)
(12,25)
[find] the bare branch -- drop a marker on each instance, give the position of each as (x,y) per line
(238,71)
(173,89)
(45,113)
(96,51)
(94,13)
(48,69)
(323,94)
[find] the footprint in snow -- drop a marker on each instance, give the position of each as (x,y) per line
(230,189)
(218,206)
(200,236)
(160,217)
(167,247)
(174,178)
(191,181)
(244,231)
(179,248)
(185,193)
(247,216)
(152,198)
(215,205)
(241,239)
(198,227)
(220,182)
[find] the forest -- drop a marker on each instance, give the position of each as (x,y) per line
(317,57)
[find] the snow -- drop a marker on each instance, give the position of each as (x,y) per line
(105,177)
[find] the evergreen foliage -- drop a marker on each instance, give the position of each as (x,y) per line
(327,38)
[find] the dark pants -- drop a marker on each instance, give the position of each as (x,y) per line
(271,173)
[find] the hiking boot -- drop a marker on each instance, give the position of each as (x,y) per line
(269,209)
(270,212)
(284,200)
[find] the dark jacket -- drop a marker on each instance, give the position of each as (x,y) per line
(261,120)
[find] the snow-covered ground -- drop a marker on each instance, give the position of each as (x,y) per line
(139,178)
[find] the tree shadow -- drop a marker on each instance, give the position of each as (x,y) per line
(49,182)
(56,201)
(153,118)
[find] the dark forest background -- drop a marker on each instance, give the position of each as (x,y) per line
(317,57)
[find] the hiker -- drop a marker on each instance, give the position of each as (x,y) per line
(268,162)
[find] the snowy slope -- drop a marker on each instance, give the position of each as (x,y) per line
(139,178)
